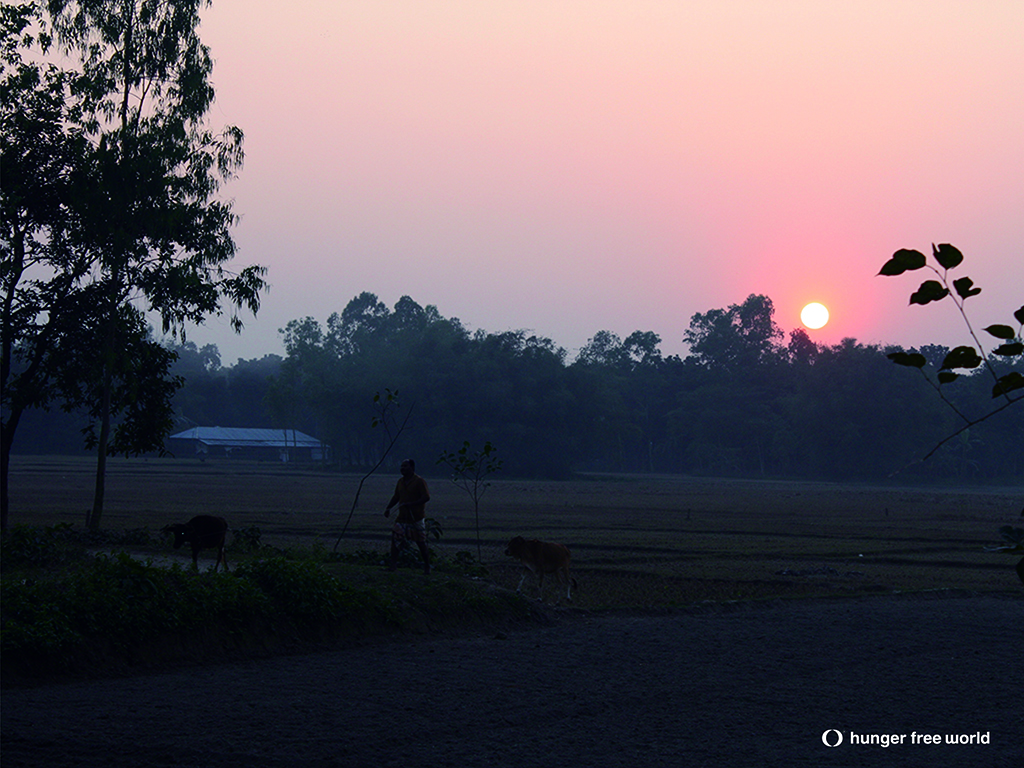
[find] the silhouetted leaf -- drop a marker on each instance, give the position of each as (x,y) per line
(965,287)
(902,261)
(1019,315)
(1009,350)
(1000,331)
(1008,383)
(909,359)
(947,255)
(962,357)
(948,377)
(930,290)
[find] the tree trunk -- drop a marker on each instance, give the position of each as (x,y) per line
(108,354)
(96,513)
(6,441)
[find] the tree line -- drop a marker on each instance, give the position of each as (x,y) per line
(745,402)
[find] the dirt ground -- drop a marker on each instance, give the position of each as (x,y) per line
(749,684)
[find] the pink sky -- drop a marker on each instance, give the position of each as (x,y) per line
(570,167)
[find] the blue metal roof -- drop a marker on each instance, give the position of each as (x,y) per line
(240,437)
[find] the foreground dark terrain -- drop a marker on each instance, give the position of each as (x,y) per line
(717,686)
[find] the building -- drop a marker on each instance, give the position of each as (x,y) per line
(236,442)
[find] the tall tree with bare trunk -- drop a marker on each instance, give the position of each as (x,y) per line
(118,93)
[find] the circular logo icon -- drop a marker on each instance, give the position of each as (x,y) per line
(827,739)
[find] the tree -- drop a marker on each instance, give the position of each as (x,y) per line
(142,388)
(602,387)
(43,146)
(605,349)
(469,472)
(356,326)
(961,358)
(641,347)
(738,337)
(133,217)
(802,350)
(729,419)
(203,397)
(305,378)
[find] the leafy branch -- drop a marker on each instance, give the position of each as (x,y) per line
(385,407)
(468,472)
(947,257)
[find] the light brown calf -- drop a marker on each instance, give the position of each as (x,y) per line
(542,557)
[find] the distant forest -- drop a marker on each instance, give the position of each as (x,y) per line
(746,401)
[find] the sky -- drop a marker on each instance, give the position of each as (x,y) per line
(571,167)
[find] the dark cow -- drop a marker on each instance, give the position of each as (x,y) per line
(202,532)
(542,557)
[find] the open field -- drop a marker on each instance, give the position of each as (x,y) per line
(637,542)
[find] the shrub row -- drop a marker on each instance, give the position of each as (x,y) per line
(63,611)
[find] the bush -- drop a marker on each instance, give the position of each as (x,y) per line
(302,590)
(24,548)
(245,539)
(120,600)
(63,611)
(32,618)
(463,563)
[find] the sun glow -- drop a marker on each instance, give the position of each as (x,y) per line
(814,315)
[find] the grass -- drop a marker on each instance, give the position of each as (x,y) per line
(637,543)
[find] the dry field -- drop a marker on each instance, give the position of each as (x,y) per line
(638,542)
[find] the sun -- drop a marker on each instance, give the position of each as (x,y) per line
(814,315)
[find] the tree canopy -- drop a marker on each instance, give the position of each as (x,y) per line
(110,208)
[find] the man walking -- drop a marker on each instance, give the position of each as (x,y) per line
(411,496)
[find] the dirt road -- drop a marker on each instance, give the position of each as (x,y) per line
(747,685)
